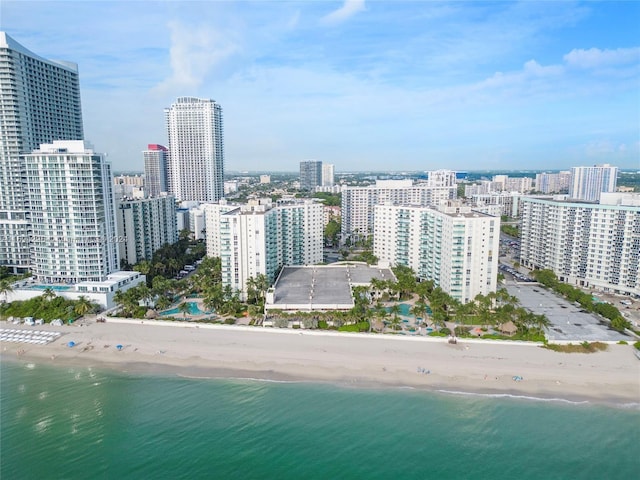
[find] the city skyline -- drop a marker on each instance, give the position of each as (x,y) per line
(362,85)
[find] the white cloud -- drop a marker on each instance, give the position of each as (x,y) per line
(194,53)
(595,58)
(348,9)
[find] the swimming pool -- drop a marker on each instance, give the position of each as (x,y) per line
(193,310)
(405,309)
(57,288)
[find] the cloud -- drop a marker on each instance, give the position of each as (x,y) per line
(348,9)
(194,52)
(595,58)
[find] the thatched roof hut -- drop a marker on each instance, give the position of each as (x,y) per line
(508,328)
(151,313)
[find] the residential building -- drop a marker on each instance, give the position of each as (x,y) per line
(587,183)
(358,202)
(155,170)
(265,179)
(310,175)
(40,104)
(196,152)
(327,175)
(508,202)
(553,182)
(441,178)
(261,237)
(452,245)
(72,216)
(144,226)
(129,186)
(586,244)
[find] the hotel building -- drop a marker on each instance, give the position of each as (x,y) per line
(40,104)
(452,245)
(586,244)
(196,151)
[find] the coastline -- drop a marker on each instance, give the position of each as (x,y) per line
(353,360)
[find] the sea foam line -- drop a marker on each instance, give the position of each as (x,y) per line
(509,395)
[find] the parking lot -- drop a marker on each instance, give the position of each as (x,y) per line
(568,321)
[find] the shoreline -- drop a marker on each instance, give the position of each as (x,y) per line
(611,377)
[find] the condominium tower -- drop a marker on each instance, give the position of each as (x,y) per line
(455,247)
(40,104)
(69,192)
(358,202)
(196,151)
(155,170)
(261,237)
(144,226)
(585,244)
(587,183)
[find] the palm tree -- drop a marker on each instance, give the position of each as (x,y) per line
(48,293)
(184,309)
(83,305)
(162,302)
(5,288)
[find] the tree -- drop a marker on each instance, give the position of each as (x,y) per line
(48,293)
(331,232)
(184,309)
(83,305)
(5,287)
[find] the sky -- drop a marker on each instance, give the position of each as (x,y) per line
(362,84)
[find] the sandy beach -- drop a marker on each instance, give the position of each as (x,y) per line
(358,360)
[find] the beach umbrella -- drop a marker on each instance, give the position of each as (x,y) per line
(71,344)
(119,347)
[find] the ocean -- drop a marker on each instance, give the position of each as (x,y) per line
(80,423)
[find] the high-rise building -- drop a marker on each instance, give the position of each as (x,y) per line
(155,170)
(72,216)
(327,174)
(260,237)
(40,103)
(452,245)
(196,149)
(441,178)
(310,175)
(553,182)
(144,226)
(586,244)
(587,183)
(358,202)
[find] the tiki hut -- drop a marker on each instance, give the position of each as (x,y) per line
(508,328)
(151,313)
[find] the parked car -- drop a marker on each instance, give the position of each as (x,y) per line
(29,321)
(57,322)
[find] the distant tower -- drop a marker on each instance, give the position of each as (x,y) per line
(196,152)
(327,174)
(40,103)
(155,170)
(587,183)
(310,174)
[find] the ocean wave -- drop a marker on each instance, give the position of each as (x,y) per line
(510,395)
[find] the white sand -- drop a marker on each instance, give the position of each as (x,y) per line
(612,376)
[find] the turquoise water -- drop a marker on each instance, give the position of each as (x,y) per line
(405,309)
(193,310)
(57,288)
(78,423)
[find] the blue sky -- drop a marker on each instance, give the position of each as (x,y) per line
(365,85)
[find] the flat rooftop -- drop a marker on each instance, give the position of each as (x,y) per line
(568,322)
(321,286)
